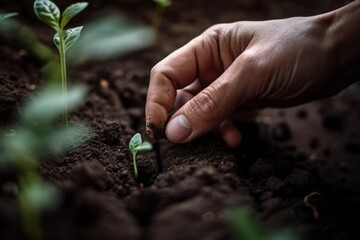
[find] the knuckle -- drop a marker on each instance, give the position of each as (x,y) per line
(204,106)
(155,70)
(251,60)
(215,29)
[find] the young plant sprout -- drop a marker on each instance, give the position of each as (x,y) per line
(7,15)
(161,5)
(136,144)
(49,13)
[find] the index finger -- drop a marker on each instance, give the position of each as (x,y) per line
(199,59)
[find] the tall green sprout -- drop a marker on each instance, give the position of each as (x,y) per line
(49,13)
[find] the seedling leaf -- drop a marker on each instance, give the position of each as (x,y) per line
(135,142)
(7,15)
(72,11)
(47,12)
(56,39)
(144,146)
(71,36)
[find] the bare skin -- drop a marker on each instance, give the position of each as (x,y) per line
(234,68)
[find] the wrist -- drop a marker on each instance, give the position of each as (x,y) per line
(342,38)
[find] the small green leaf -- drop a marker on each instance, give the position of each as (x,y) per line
(71,36)
(72,11)
(7,15)
(144,146)
(135,142)
(47,12)
(56,40)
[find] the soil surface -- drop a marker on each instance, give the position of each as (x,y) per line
(297,168)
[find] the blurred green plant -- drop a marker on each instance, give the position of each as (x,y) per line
(49,13)
(35,138)
(26,38)
(115,35)
(7,15)
(135,145)
(158,16)
(245,226)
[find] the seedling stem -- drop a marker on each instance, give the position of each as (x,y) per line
(49,13)
(135,145)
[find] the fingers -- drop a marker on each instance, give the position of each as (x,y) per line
(164,80)
(229,133)
(211,106)
(197,60)
(226,130)
(187,93)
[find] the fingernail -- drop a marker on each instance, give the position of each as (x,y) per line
(178,129)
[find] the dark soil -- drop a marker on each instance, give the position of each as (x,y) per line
(297,168)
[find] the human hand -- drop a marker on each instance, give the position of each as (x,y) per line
(237,67)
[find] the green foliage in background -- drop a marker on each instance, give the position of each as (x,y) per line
(37,137)
(245,226)
(7,15)
(115,35)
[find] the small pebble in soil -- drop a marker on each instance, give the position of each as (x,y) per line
(313,157)
(281,132)
(104,83)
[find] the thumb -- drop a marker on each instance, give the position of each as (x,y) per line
(204,112)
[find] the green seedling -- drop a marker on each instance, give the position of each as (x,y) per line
(245,226)
(7,15)
(35,138)
(157,18)
(49,13)
(115,36)
(135,145)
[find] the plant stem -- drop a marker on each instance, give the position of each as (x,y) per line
(30,215)
(135,166)
(63,77)
(156,22)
